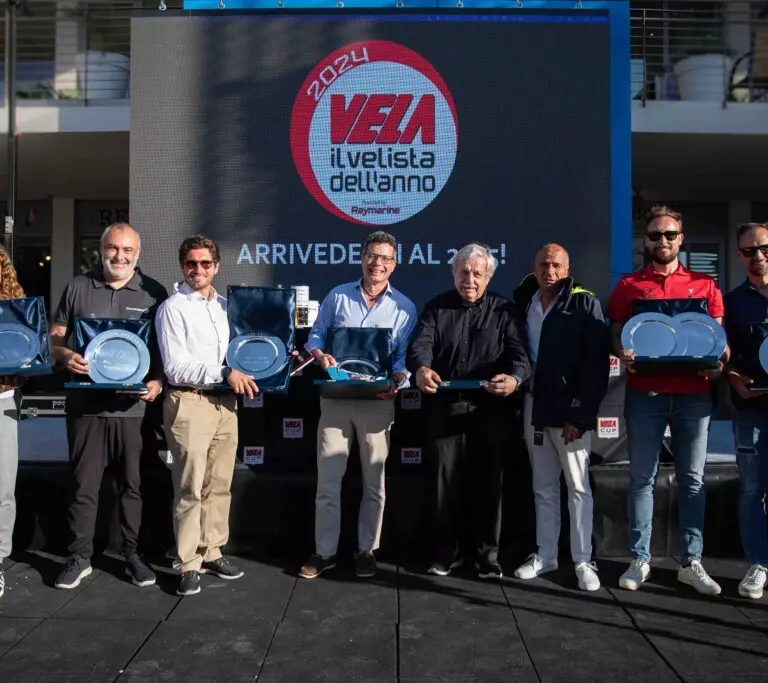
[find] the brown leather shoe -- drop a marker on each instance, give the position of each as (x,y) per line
(316,565)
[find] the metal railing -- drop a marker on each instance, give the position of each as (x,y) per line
(705,51)
(71,50)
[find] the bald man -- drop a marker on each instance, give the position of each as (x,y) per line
(569,345)
(103,427)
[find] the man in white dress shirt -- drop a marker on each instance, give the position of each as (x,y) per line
(200,424)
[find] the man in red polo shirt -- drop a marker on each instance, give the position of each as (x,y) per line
(652,401)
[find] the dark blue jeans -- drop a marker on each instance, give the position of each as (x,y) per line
(646,415)
(750,430)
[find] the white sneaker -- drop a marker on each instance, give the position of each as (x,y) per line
(695,575)
(637,573)
(752,584)
(586,572)
(533,566)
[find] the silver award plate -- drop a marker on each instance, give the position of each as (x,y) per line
(257,355)
(18,345)
(654,335)
(117,356)
(705,336)
(763,355)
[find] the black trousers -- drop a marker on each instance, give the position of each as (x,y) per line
(94,444)
(466,444)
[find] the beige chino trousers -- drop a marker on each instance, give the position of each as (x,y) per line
(201,430)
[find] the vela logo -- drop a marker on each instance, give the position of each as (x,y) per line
(374,133)
(608,427)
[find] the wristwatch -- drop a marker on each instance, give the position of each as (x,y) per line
(225,373)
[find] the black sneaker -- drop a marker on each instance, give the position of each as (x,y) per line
(2,581)
(488,569)
(141,575)
(316,565)
(366,565)
(444,568)
(75,570)
(222,568)
(189,583)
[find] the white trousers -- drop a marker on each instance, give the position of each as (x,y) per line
(547,461)
(341,421)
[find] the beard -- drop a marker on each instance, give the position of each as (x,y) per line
(662,259)
(119,269)
(759,269)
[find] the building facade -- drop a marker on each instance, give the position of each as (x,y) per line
(699,89)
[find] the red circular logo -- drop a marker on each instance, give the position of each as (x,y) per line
(374,133)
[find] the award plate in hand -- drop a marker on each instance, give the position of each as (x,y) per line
(117,358)
(654,335)
(19,346)
(705,336)
(760,383)
(257,355)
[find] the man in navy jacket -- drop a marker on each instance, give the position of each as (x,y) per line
(568,345)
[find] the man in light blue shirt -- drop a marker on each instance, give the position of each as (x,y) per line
(368,302)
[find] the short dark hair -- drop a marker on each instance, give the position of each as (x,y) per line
(379,237)
(661,211)
(198,242)
(744,228)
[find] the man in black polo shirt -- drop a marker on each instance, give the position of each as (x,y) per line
(104,427)
(746,307)
(468,333)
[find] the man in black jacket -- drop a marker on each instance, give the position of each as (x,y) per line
(569,345)
(468,333)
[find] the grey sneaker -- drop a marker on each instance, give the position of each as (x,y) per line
(751,585)
(222,568)
(189,584)
(75,570)
(141,575)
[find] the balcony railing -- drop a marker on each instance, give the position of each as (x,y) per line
(700,51)
(705,50)
(71,51)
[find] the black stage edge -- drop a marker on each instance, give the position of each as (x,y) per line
(274,512)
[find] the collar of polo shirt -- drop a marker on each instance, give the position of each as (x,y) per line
(100,282)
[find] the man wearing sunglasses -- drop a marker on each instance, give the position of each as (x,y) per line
(745,313)
(104,428)
(368,302)
(653,401)
(200,421)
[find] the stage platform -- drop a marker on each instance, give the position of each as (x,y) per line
(401,626)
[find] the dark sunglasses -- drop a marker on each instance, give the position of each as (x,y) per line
(205,265)
(669,235)
(751,252)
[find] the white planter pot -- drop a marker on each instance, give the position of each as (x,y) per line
(703,78)
(103,75)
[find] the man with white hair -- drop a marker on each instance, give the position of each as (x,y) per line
(468,333)
(104,428)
